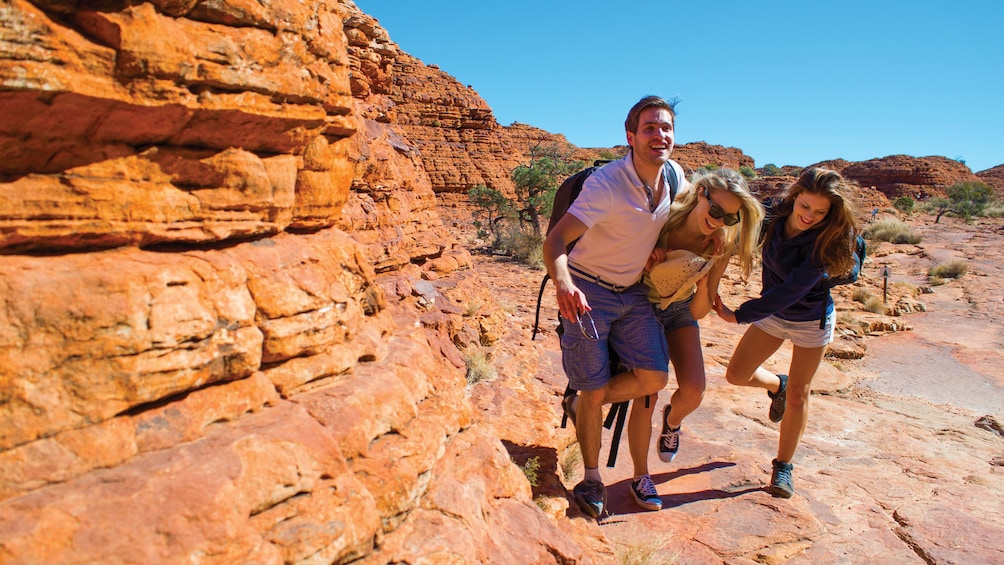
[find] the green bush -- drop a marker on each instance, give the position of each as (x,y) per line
(747,172)
(771,170)
(951,270)
(530,469)
(891,230)
(904,204)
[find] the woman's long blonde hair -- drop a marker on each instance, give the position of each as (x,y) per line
(741,239)
(835,243)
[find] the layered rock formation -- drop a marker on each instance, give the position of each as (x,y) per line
(223,337)
(902,175)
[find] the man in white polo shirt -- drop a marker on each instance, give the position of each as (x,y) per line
(616,219)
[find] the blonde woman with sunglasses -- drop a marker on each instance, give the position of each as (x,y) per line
(717,220)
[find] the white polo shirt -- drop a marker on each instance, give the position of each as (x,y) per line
(622,230)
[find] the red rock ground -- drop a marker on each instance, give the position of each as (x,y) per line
(902,460)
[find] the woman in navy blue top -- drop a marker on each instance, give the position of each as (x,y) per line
(812,233)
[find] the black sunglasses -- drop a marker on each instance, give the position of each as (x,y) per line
(716,212)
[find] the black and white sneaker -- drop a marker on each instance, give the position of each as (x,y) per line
(669,439)
(643,490)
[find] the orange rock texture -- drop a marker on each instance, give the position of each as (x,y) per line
(234,325)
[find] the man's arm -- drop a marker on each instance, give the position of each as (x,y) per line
(570,299)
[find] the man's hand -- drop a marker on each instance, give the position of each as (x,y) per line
(571,301)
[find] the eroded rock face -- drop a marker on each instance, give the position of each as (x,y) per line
(224,338)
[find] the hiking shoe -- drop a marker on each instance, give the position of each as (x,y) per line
(669,439)
(777,400)
(591,497)
(643,490)
(780,480)
(566,405)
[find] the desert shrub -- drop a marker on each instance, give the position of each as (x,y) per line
(891,230)
(874,304)
(951,270)
(995,209)
(472,307)
(479,367)
(870,302)
(904,204)
(571,462)
(524,246)
(530,469)
(747,172)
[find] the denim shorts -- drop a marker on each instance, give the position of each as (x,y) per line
(802,334)
(626,321)
(677,315)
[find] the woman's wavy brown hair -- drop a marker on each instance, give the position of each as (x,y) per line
(834,246)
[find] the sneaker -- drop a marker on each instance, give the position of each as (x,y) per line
(777,400)
(669,439)
(591,497)
(780,480)
(643,490)
(566,405)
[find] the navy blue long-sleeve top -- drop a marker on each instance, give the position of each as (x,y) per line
(793,287)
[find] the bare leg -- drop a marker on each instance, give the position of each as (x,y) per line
(640,433)
(634,384)
(624,386)
(804,363)
(744,369)
(688,364)
(589,425)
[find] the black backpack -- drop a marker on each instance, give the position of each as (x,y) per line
(563,198)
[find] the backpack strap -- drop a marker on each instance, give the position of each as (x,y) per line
(674,181)
(536,318)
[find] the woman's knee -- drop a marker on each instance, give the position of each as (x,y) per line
(736,377)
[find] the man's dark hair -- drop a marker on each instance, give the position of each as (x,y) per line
(631,123)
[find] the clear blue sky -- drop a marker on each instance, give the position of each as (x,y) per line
(789,83)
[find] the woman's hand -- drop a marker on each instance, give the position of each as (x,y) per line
(723,311)
(715,243)
(657,256)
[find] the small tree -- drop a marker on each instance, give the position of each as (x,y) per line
(964,199)
(536,182)
(747,172)
(969,198)
(490,210)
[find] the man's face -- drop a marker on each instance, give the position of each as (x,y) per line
(655,137)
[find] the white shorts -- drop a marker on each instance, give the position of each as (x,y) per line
(802,334)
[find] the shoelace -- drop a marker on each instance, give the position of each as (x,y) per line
(594,491)
(783,475)
(671,441)
(646,487)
